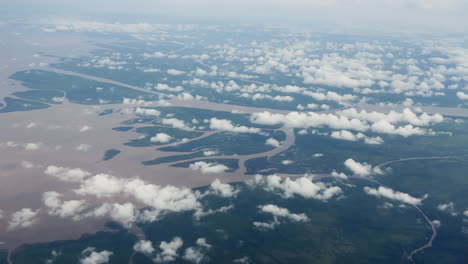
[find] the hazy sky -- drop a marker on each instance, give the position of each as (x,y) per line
(427,14)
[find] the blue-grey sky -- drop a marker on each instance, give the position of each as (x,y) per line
(449,15)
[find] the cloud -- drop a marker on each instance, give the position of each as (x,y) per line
(85,128)
(223,189)
(22,219)
(90,256)
(359,169)
(197,253)
(206,167)
(272,142)
(147,111)
(83,147)
(67,174)
(350,136)
(32,146)
(283,212)
(301,186)
(175,72)
(169,250)
(392,117)
(65,209)
(462,95)
(393,195)
(175,123)
(308,119)
(226,125)
(144,246)
(161,138)
(448,208)
(351,119)
(101,185)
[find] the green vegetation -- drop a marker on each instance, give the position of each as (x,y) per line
(46,96)
(335,151)
(13,105)
(151,131)
(122,128)
(110,153)
(78,90)
(226,143)
(173,158)
(120,243)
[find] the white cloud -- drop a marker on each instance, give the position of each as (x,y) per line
(210,152)
(223,189)
(85,128)
(226,125)
(350,136)
(462,95)
(67,209)
(351,119)
(90,256)
(23,218)
(83,147)
(448,208)
(359,169)
(283,212)
(27,164)
(393,195)
(206,167)
(32,146)
(169,250)
(147,111)
(175,72)
(175,123)
(197,253)
(101,185)
(161,137)
(144,246)
(67,174)
(272,142)
(301,186)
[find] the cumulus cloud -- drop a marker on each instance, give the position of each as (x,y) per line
(175,123)
(283,212)
(359,169)
(147,111)
(23,218)
(226,125)
(223,189)
(272,142)
(161,138)
(301,186)
(71,208)
(462,95)
(90,256)
(144,246)
(67,174)
(448,208)
(175,72)
(207,167)
(393,195)
(85,128)
(350,136)
(33,146)
(351,119)
(83,147)
(169,250)
(196,254)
